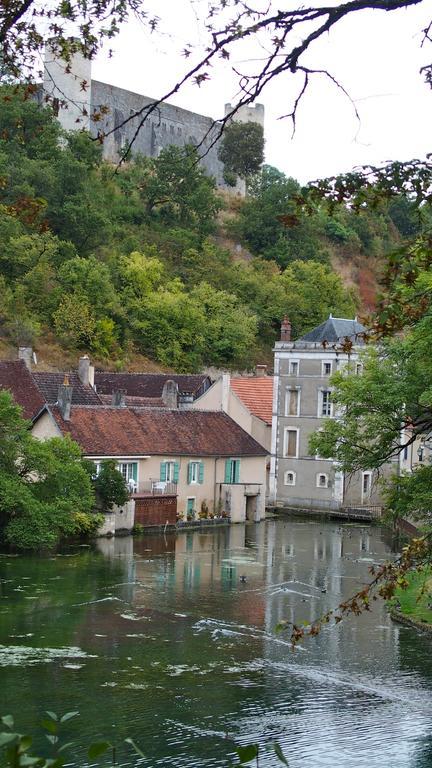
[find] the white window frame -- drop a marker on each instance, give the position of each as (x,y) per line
(320,414)
(294,476)
(285,442)
(169,471)
(194,472)
(287,399)
(322,474)
(323,364)
(365,495)
(297,364)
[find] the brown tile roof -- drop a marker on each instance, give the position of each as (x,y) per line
(256,394)
(137,402)
(15,377)
(150,384)
(48,384)
(103,431)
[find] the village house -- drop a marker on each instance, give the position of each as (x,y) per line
(302,402)
(175,461)
(201,458)
(247,399)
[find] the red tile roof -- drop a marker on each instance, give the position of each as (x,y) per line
(48,383)
(15,377)
(256,393)
(150,384)
(135,402)
(103,431)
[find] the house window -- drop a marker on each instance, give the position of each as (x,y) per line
(291,442)
(169,471)
(405,453)
(322,480)
(359,369)
(326,369)
(325,408)
(195,472)
(290,478)
(232,471)
(294,368)
(129,470)
(366,485)
(292,402)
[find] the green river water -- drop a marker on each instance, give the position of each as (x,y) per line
(158,639)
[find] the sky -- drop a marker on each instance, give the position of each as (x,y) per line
(376,56)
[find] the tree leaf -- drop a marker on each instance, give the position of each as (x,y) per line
(248,753)
(279,754)
(49,726)
(97,749)
(8,721)
(51,739)
(25,743)
(134,747)
(52,715)
(65,746)
(6,738)
(68,716)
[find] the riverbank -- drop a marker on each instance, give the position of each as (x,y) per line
(413,606)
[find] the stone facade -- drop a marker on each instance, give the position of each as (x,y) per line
(168,125)
(302,401)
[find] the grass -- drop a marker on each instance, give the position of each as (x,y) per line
(415,599)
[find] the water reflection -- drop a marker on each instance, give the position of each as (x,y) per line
(170,640)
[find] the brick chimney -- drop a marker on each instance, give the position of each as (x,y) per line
(260,371)
(170,394)
(118,398)
(64,398)
(26,354)
(285,329)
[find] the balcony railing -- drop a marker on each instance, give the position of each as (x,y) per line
(155,487)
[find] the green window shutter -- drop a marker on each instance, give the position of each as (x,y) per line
(237,471)
(176,471)
(163,471)
(135,471)
(190,506)
(201,472)
(228,471)
(189,473)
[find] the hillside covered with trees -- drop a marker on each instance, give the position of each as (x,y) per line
(118,261)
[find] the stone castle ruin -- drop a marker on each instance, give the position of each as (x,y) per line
(77,99)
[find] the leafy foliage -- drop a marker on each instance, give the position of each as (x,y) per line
(109,485)
(242,150)
(45,491)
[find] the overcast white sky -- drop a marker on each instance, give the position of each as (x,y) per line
(376,56)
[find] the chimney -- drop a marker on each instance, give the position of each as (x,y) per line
(260,371)
(64,398)
(26,354)
(285,329)
(170,394)
(118,398)
(84,370)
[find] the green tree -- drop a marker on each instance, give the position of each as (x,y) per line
(313,291)
(109,485)
(44,487)
(242,151)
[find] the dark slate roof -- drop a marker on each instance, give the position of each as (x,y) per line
(48,384)
(103,431)
(150,384)
(335,329)
(15,377)
(135,402)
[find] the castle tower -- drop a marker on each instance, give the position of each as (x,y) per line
(68,88)
(248,114)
